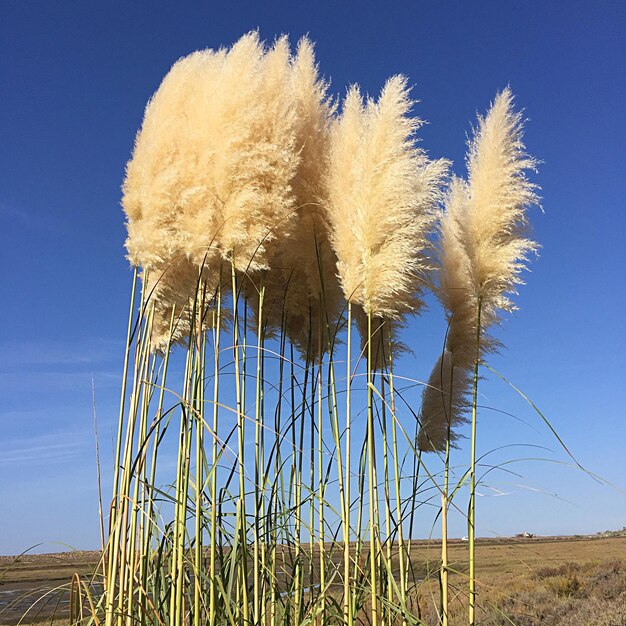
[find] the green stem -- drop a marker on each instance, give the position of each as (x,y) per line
(213,610)
(445,502)
(388,553)
(112,544)
(401,547)
(321,491)
(259,463)
(123,536)
(181,492)
(199,415)
(471,518)
(151,510)
(348,597)
(242,519)
(371,458)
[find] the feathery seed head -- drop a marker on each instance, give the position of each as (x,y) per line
(164,185)
(162,181)
(382,195)
(212,169)
(445,402)
(499,195)
(257,157)
(482,251)
(302,294)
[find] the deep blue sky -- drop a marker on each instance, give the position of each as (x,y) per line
(75,77)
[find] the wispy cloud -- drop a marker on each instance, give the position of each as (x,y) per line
(29,383)
(31,219)
(61,446)
(91,351)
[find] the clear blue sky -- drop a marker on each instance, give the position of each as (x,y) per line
(75,77)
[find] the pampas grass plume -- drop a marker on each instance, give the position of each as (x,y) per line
(211,174)
(163,186)
(162,181)
(499,195)
(483,250)
(257,157)
(444,400)
(302,292)
(382,194)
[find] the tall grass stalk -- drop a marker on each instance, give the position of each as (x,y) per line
(259,465)
(138,503)
(444,536)
(111,559)
(372,480)
(402,556)
(200,376)
(471,514)
(387,570)
(120,545)
(241,520)
(215,456)
(445,494)
(349,598)
(321,490)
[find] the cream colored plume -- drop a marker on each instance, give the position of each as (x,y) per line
(214,161)
(302,294)
(444,400)
(163,186)
(162,180)
(382,192)
(212,169)
(248,156)
(482,251)
(254,143)
(494,232)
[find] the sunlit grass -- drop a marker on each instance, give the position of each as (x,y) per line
(264,472)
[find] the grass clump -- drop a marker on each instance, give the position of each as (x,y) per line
(265,223)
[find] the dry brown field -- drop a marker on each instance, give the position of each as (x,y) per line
(552,581)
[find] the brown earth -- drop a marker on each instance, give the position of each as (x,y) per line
(547,581)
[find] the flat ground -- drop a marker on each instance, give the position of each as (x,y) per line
(563,581)
(553,581)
